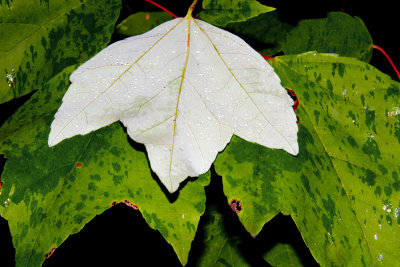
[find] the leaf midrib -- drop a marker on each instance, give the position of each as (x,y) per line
(189,18)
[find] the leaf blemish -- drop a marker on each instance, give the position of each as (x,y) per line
(78,165)
(236,206)
(294,97)
(48,254)
(112,204)
(130,204)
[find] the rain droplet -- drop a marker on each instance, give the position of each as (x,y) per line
(380,259)
(10,78)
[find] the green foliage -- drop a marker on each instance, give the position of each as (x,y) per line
(342,190)
(283,255)
(66,186)
(338,33)
(266,29)
(220,248)
(334,189)
(141,22)
(222,12)
(40,38)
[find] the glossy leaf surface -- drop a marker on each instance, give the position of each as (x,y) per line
(50,193)
(223,12)
(40,38)
(339,33)
(343,189)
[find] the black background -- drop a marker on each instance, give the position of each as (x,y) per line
(121,237)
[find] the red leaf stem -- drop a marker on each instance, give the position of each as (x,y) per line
(388,58)
(162,8)
(266,57)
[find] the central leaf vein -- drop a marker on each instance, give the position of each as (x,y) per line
(178,98)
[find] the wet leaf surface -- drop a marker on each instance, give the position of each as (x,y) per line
(342,190)
(45,37)
(50,193)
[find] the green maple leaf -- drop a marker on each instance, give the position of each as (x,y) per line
(39,39)
(50,193)
(343,189)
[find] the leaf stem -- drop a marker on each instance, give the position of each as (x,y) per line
(162,8)
(266,57)
(191,8)
(388,58)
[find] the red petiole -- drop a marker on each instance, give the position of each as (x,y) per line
(388,58)
(268,57)
(162,8)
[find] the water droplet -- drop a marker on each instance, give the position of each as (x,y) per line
(380,258)
(395,111)
(10,78)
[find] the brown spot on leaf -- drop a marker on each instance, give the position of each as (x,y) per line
(295,99)
(130,204)
(147,16)
(1,184)
(236,206)
(48,254)
(113,203)
(78,165)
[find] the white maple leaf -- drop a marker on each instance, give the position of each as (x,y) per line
(182,89)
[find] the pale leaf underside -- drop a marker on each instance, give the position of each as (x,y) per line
(182,89)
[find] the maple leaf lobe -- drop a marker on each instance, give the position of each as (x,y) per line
(182,89)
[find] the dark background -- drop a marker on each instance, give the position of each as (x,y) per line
(121,237)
